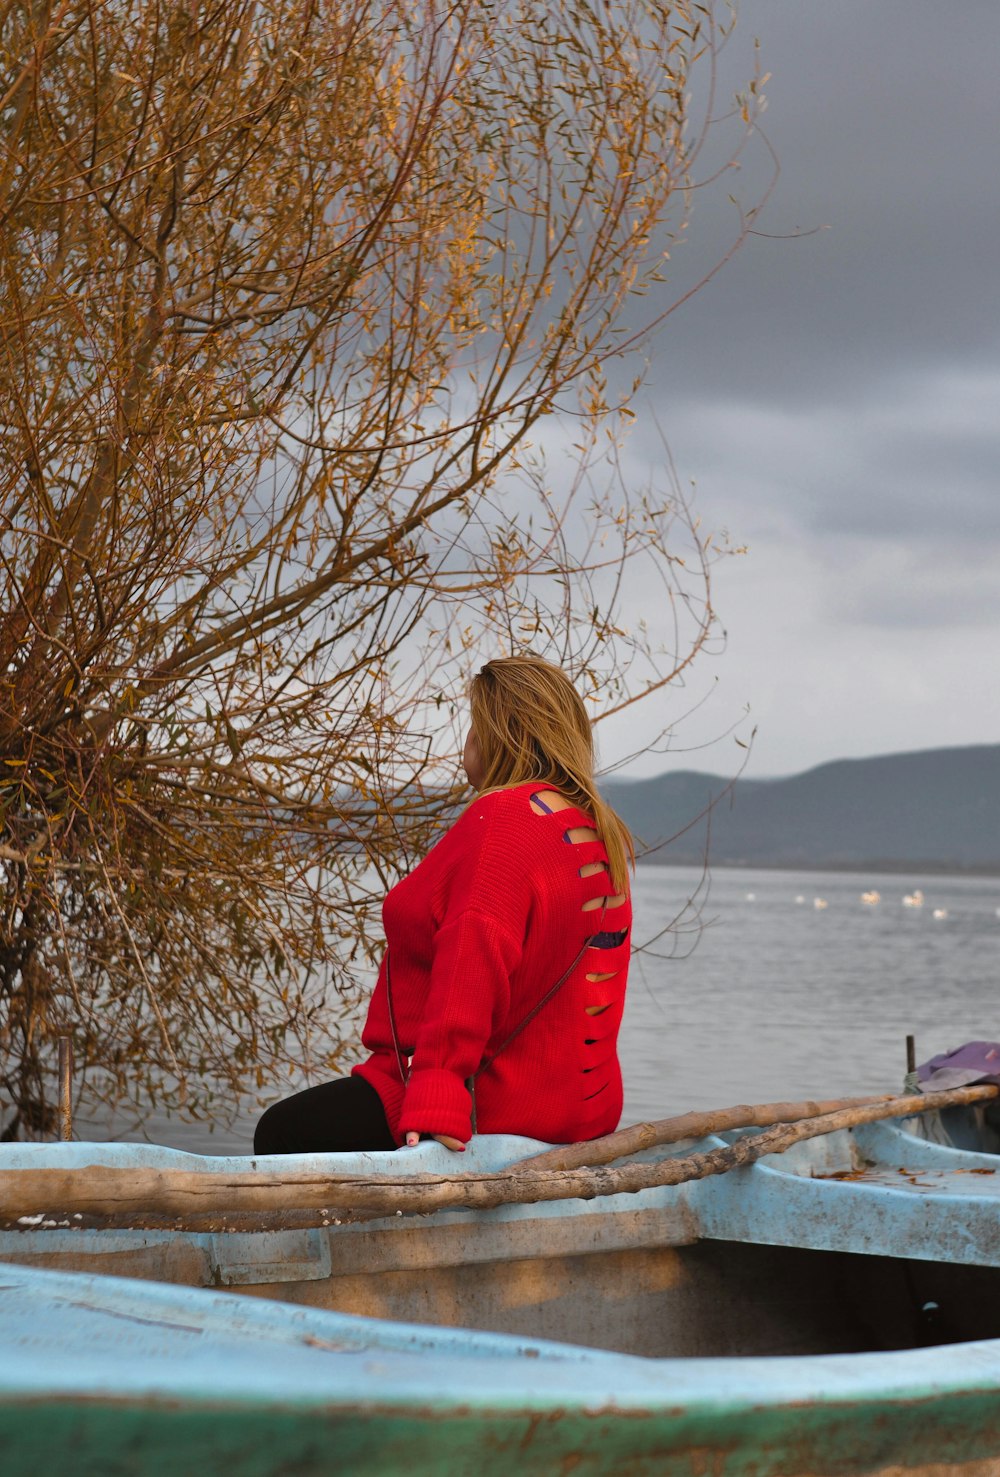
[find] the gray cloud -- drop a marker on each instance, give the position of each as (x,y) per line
(886,120)
(836,399)
(921,460)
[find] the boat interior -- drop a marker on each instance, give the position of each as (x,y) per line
(877,1238)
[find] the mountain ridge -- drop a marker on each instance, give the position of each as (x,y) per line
(927,808)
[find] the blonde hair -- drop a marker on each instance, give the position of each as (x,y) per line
(531,724)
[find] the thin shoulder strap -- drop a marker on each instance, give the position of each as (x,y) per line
(404,1075)
(549,995)
(470,1082)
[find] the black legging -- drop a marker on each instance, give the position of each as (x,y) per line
(336,1117)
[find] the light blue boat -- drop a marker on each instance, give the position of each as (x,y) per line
(833,1311)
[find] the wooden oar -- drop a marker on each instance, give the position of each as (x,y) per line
(194,1201)
(662,1131)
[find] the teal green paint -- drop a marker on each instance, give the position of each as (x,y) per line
(305,1412)
(105,1439)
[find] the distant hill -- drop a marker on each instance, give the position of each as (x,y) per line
(937,808)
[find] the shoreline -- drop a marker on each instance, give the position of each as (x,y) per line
(880,868)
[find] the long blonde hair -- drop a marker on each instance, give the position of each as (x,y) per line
(531,724)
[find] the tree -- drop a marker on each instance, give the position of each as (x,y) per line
(291,291)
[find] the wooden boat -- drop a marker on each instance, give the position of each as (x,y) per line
(832,1311)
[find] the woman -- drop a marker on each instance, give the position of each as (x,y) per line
(500,995)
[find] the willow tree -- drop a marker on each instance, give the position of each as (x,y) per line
(291,292)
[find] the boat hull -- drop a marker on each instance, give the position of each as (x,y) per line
(122,1377)
(238,1443)
(834,1312)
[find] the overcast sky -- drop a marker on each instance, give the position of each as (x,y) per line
(836,398)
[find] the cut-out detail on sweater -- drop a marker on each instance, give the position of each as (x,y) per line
(615,901)
(595,872)
(602,1088)
(601,1066)
(609,940)
(580,835)
(548,802)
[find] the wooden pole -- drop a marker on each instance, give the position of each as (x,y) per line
(687,1126)
(65,1087)
(129,1195)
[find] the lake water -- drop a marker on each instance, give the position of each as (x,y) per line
(770,997)
(783,999)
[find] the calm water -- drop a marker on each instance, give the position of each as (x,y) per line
(781,999)
(777,998)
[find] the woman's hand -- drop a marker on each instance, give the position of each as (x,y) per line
(456,1145)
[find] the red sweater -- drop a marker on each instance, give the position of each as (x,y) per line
(477,934)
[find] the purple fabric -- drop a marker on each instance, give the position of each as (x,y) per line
(976,1061)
